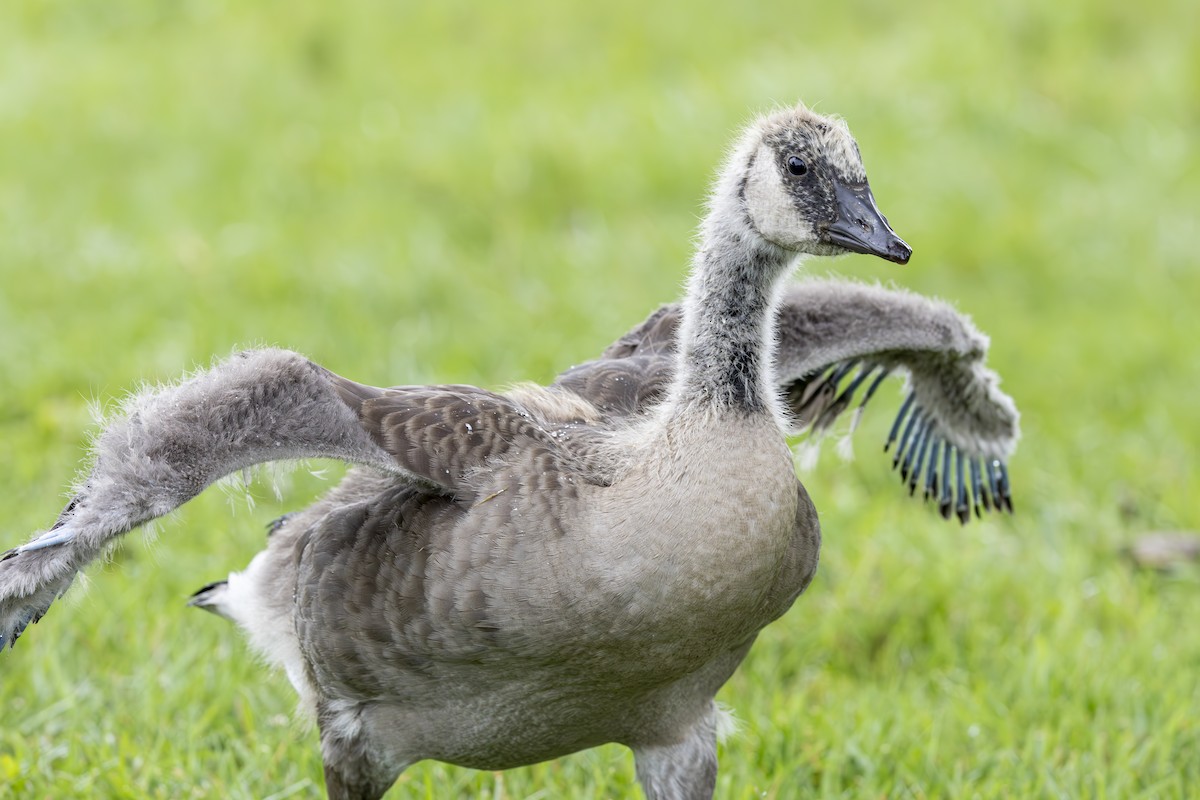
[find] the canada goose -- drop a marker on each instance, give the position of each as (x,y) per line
(517,577)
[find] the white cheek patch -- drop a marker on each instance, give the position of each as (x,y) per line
(770,206)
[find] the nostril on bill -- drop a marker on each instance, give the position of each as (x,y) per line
(862,223)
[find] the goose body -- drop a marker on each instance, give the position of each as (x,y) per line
(507,578)
(596,623)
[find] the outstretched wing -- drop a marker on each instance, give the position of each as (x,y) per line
(837,342)
(169,444)
(955,429)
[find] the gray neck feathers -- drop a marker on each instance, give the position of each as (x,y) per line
(726,337)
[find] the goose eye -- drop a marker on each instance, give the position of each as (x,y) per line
(796,165)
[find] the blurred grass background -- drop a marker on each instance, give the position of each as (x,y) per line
(486,193)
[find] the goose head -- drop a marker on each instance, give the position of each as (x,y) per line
(800,180)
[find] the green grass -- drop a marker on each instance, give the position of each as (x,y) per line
(487,193)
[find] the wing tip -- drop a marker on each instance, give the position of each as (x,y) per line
(957,481)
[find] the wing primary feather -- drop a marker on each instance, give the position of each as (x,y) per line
(914,477)
(962,507)
(1005,490)
(905,407)
(904,437)
(944,504)
(808,388)
(835,409)
(931,475)
(909,440)
(852,387)
(976,488)
(867,395)
(827,393)
(919,434)
(843,370)
(862,404)
(984,494)
(993,482)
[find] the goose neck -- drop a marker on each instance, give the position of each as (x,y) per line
(727,343)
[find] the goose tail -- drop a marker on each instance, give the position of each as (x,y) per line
(212,597)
